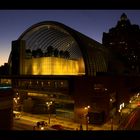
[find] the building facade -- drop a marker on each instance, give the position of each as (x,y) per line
(47,59)
(52,63)
(124,41)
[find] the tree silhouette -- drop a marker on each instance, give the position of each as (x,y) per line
(28,53)
(61,53)
(34,53)
(50,51)
(37,53)
(66,54)
(56,52)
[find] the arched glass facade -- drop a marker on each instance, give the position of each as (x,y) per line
(43,59)
(51,50)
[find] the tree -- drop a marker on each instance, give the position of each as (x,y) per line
(50,51)
(34,53)
(61,53)
(37,53)
(28,53)
(66,54)
(56,52)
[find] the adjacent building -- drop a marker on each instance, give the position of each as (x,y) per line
(124,40)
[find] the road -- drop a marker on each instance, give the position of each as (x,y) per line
(132,121)
(28,121)
(130,113)
(22,124)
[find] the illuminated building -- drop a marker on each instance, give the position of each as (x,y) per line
(52,62)
(47,59)
(51,41)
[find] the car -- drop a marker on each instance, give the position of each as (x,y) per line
(38,128)
(16,115)
(138,104)
(57,127)
(41,124)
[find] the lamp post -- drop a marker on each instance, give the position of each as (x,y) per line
(16,102)
(120,111)
(87,117)
(48,105)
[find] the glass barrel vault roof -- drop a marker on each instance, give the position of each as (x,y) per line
(51,35)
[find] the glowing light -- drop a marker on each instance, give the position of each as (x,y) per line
(105,89)
(88,106)
(49,103)
(138,104)
(54,66)
(121,106)
(42,128)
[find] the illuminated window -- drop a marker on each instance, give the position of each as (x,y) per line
(111,43)
(42,83)
(61,83)
(55,84)
(48,83)
(30,82)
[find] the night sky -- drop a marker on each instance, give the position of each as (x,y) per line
(89,22)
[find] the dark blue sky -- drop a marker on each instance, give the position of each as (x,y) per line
(89,22)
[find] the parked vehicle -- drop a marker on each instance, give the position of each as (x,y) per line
(41,124)
(57,127)
(16,114)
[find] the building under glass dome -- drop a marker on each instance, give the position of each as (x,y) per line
(51,48)
(53,62)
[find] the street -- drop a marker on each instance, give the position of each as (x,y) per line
(129,120)
(28,121)
(132,121)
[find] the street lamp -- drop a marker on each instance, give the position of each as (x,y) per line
(120,111)
(16,102)
(48,105)
(87,117)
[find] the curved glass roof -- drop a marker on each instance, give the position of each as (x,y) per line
(90,55)
(44,36)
